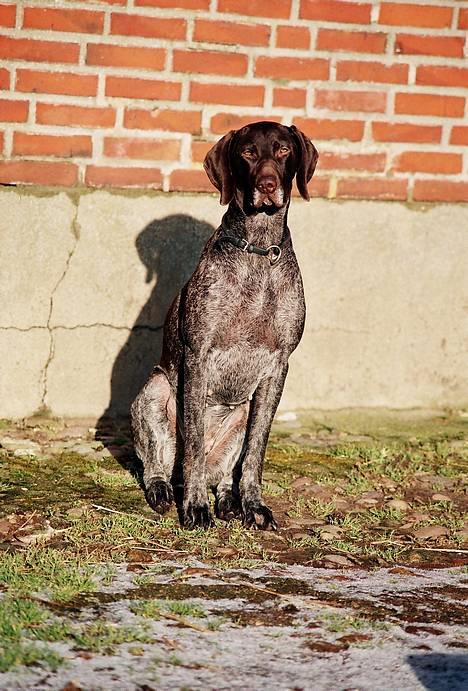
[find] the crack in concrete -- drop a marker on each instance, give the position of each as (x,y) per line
(138,327)
(75,229)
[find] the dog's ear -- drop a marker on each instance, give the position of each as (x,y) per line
(307,160)
(218,168)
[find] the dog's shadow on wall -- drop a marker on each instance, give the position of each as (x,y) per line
(169,248)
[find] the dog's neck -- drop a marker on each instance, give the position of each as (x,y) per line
(259,228)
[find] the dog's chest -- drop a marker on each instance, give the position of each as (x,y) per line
(234,373)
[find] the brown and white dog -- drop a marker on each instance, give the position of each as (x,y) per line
(203,418)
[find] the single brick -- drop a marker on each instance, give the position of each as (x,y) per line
(50,19)
(363,71)
(125,56)
(279,9)
(292,68)
(459,135)
(406,14)
(372,188)
(25,144)
(2,141)
(129,87)
(351,130)
(442,76)
(318,187)
(289,98)
(144,149)
(190,181)
(13,111)
(163,119)
(199,150)
(108,176)
(351,41)
(38,173)
(296,37)
(176,4)
(412,44)
(231,33)
(428,162)
(210,62)
(4,79)
(336,11)
(223,122)
(8,16)
(149,27)
(329,160)
(463,18)
(56,83)
(38,51)
(227,94)
(406,132)
(356,101)
(430,104)
(440,191)
(81,116)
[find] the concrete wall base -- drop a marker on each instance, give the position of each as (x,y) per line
(86,279)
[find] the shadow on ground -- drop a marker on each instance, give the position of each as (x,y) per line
(441,672)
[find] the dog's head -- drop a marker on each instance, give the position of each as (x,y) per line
(256,166)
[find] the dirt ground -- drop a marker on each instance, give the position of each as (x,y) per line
(363,586)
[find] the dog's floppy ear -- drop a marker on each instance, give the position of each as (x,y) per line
(218,168)
(308,156)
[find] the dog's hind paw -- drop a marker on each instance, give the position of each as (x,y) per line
(228,507)
(198,516)
(159,495)
(258,516)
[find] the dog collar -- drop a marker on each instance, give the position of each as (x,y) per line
(273,252)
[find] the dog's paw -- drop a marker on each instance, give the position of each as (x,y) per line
(159,495)
(258,516)
(228,507)
(197,516)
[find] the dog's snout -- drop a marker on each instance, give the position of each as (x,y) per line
(267,184)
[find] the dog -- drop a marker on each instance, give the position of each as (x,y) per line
(204,416)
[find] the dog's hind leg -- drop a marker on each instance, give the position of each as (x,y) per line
(153,415)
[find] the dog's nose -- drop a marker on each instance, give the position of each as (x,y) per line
(267,184)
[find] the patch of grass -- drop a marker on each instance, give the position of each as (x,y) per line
(155,609)
(112,480)
(46,570)
(337,622)
(18,619)
(102,637)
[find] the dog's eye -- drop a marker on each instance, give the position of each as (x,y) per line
(283,150)
(248,153)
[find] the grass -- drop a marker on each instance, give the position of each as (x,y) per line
(155,609)
(49,571)
(337,622)
(19,619)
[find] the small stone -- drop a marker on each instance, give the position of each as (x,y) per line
(431,532)
(27,451)
(300,535)
(337,560)
(5,527)
(83,449)
(398,504)
(77,511)
(226,552)
(366,502)
(302,482)
(287,416)
(440,497)
(11,444)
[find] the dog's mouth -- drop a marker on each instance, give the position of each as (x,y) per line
(268,202)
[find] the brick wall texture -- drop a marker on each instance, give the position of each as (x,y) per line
(132,93)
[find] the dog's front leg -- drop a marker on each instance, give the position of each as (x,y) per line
(265,402)
(196,508)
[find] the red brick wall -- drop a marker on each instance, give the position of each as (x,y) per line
(132,93)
